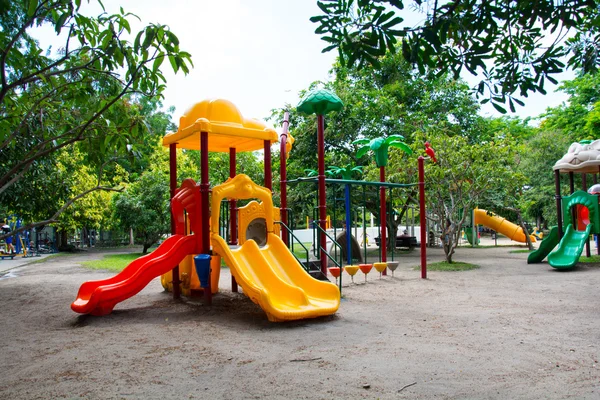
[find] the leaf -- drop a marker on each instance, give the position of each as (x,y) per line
(158,62)
(150,34)
(32,7)
(172,38)
(499,108)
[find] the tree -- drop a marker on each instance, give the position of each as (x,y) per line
(463,178)
(505,41)
(577,119)
(144,207)
(391,99)
(539,156)
(81,95)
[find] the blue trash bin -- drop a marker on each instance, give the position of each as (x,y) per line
(202,263)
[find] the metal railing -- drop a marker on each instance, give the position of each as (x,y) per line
(294,237)
(336,244)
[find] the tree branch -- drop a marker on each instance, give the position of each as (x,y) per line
(15,39)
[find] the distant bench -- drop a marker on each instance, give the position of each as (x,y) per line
(11,256)
(402,241)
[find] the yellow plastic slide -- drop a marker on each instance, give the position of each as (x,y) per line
(501,225)
(273,278)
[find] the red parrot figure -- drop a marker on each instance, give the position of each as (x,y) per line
(430,152)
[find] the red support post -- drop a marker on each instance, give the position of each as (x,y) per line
(268,166)
(322,194)
(233,238)
(422,217)
(173,187)
(204,189)
(283,173)
(383,217)
(588,250)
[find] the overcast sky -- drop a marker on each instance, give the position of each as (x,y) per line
(257,53)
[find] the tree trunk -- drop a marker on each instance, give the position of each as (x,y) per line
(447,241)
(131,241)
(522,225)
(392,228)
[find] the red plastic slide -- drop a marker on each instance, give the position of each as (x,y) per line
(100,297)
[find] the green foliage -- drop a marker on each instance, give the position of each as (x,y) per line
(390,99)
(578,119)
(83,98)
(540,154)
(144,207)
(505,42)
(464,177)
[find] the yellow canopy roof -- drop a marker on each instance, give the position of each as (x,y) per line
(226,128)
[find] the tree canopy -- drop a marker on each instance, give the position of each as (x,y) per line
(515,46)
(82,95)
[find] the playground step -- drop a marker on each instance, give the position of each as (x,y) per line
(314,269)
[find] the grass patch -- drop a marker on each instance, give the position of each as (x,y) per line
(299,251)
(592,259)
(521,251)
(112,262)
(445,266)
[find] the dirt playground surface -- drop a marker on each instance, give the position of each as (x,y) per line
(505,331)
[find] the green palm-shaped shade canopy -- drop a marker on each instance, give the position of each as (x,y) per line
(379,146)
(320,102)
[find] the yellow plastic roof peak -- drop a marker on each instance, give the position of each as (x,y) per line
(226,126)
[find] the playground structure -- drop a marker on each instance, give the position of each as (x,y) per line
(579,212)
(496,223)
(26,243)
(270,275)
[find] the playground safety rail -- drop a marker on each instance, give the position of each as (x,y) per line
(294,237)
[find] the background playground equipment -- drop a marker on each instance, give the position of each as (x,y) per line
(365,269)
(392,266)
(539,235)
(380,267)
(496,223)
(271,276)
(579,211)
(335,272)
(310,221)
(351,270)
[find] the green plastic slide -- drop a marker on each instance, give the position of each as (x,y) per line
(546,246)
(469,235)
(570,248)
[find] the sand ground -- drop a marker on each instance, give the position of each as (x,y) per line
(505,331)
